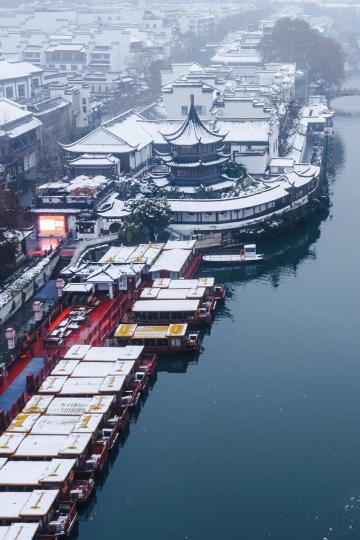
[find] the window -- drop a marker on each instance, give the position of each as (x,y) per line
(21,90)
(200,109)
(74,68)
(184,110)
(63,67)
(9,92)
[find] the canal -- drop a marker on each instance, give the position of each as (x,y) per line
(260,437)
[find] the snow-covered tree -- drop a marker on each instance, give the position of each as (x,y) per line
(147,218)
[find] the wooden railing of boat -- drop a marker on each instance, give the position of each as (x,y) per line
(61,523)
(82,486)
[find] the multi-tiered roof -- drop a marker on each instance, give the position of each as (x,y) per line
(196,153)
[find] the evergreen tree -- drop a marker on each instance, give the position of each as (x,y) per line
(295,41)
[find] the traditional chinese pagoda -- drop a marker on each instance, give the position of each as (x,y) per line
(196,153)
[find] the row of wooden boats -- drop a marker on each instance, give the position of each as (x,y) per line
(167,315)
(53,449)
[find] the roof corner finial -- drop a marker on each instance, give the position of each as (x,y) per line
(192,99)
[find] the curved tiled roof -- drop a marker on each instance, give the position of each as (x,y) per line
(193,131)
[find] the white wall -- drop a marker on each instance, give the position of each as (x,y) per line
(242,108)
(180,97)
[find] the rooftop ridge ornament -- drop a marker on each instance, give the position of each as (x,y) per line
(193,131)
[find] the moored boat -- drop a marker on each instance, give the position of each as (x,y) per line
(247,255)
(194,312)
(172,338)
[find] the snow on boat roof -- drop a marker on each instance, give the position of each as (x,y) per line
(191,283)
(76,406)
(156,306)
(143,253)
(86,386)
(18,504)
(53,445)
(77,352)
(19,531)
(64,367)
(52,385)
(37,404)
(113,384)
(112,354)
(171,261)
(103,369)
(88,423)
(35,473)
(179,244)
(9,442)
(54,425)
(134,331)
(23,422)
(69,406)
(78,287)
(181,294)
(161,283)
(149,293)
(100,404)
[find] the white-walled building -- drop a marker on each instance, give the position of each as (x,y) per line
(19,80)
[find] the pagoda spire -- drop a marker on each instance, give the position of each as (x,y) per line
(193,131)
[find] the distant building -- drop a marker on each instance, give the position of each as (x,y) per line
(19,80)
(20,141)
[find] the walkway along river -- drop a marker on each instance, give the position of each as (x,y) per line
(261,437)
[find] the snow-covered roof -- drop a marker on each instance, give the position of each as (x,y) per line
(97,160)
(76,406)
(19,531)
(181,294)
(77,352)
(14,132)
(54,425)
(103,369)
(23,422)
(88,423)
(143,253)
(193,131)
(52,385)
(179,244)
(35,473)
(113,354)
(172,260)
(156,306)
(37,404)
(122,134)
(226,205)
(82,386)
(53,445)
(12,112)
(191,283)
(135,331)
(22,504)
(255,131)
(78,287)
(16,70)
(9,442)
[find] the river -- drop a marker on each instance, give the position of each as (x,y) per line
(260,438)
